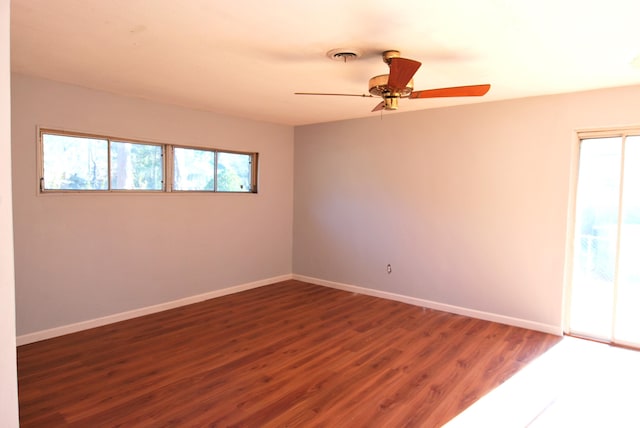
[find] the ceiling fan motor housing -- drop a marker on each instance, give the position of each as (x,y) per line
(378,86)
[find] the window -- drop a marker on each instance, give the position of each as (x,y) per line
(80,162)
(209,170)
(193,169)
(74,163)
(94,163)
(136,166)
(233,172)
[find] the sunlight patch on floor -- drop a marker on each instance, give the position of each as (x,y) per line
(575,383)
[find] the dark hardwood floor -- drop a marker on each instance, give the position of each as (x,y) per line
(285,355)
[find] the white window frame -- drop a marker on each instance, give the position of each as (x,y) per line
(579,135)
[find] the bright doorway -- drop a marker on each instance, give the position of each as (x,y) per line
(604,301)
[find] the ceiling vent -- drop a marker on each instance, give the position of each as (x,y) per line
(343,54)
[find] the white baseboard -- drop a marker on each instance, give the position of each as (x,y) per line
(109,319)
(488,316)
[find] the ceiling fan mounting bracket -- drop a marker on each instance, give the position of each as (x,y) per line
(387,56)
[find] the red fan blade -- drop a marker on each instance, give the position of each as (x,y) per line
(458,91)
(338,95)
(379,107)
(401,71)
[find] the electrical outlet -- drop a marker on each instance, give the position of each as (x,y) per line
(389,269)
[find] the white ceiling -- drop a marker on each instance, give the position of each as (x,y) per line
(247,58)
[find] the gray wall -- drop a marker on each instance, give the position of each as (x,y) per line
(468,204)
(82,257)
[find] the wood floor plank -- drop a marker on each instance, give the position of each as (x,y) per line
(287,354)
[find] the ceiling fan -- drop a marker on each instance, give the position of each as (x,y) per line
(399,84)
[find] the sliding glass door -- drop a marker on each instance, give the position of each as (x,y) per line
(605,289)
(627,315)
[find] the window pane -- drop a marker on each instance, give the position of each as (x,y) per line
(234,172)
(596,236)
(136,166)
(628,299)
(193,169)
(74,163)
